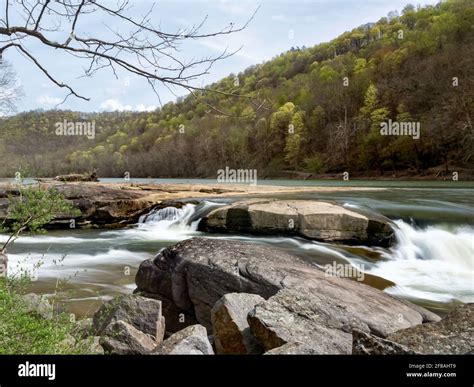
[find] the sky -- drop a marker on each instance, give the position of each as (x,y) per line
(277,26)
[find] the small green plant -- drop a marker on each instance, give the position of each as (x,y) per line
(22,331)
(31,210)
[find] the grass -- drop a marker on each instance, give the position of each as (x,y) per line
(24,332)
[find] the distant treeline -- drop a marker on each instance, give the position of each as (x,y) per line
(316,110)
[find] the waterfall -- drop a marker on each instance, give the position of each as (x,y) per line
(169,218)
(171,223)
(431,263)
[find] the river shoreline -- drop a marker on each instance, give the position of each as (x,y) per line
(98,257)
(113,204)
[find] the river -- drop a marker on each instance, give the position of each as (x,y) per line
(431,264)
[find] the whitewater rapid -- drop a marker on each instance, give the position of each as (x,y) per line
(431,263)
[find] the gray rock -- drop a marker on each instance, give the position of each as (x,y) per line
(232,334)
(143,313)
(192,340)
(453,335)
(176,318)
(39,305)
(297,315)
(121,338)
(367,344)
(292,349)
(196,273)
(320,220)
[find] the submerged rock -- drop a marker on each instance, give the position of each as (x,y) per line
(319,220)
(231,330)
(312,308)
(191,340)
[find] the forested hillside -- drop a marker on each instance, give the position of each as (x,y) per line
(314,109)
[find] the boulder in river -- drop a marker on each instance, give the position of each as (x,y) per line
(196,273)
(319,220)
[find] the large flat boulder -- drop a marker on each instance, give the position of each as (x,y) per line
(319,220)
(196,273)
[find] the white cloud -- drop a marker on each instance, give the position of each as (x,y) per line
(114,105)
(143,108)
(48,101)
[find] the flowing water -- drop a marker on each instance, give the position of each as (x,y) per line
(431,263)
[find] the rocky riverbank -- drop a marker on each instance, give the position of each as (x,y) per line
(206,296)
(214,296)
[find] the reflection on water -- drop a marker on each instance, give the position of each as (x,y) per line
(432,263)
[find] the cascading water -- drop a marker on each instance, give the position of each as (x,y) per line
(169,218)
(431,263)
(170,223)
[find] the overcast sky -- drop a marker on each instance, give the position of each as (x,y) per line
(277,26)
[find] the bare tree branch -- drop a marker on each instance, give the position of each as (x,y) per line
(137,47)
(9,89)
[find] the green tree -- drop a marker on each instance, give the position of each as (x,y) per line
(295,139)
